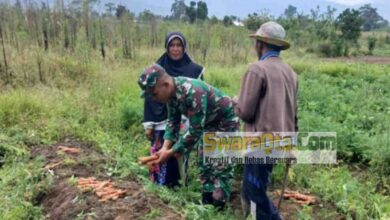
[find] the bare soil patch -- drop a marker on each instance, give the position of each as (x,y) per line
(65,201)
(362,59)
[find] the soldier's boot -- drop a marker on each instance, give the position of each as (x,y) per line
(220,205)
(207,198)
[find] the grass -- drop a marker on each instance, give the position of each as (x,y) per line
(354,197)
(98,101)
(22,182)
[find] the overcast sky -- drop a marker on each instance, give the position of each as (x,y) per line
(242,8)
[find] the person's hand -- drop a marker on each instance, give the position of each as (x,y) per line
(149,133)
(235,100)
(163,155)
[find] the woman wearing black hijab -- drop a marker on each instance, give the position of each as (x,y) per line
(176,62)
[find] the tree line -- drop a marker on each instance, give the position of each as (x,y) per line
(82,26)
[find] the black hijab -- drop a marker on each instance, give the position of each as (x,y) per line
(155,111)
(184,66)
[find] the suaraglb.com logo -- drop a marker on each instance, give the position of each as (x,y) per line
(269,147)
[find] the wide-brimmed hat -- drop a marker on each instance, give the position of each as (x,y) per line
(272,33)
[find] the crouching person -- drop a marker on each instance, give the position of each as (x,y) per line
(208,110)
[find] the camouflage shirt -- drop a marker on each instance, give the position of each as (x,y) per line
(207,109)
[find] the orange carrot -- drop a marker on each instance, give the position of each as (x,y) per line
(69,149)
(104,193)
(53,165)
(145,160)
(101,185)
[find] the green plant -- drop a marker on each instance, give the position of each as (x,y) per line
(22,183)
(350,22)
(153,214)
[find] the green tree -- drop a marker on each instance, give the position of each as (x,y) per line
(214,20)
(147,15)
(110,8)
(372,20)
(87,9)
(18,4)
(191,12)
(350,22)
(178,9)
(202,10)
(329,14)
(290,12)
(121,10)
(254,20)
(227,20)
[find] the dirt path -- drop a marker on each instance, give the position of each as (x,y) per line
(65,201)
(362,59)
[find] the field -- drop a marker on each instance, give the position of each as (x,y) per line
(76,98)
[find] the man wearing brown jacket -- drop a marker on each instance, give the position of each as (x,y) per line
(266,103)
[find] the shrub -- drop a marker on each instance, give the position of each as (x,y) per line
(371,42)
(334,49)
(18,108)
(387,39)
(21,188)
(338,47)
(325,50)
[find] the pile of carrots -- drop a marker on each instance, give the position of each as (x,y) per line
(103,189)
(300,198)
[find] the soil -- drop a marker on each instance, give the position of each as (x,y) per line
(362,59)
(289,209)
(65,201)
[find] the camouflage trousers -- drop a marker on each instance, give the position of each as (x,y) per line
(216,179)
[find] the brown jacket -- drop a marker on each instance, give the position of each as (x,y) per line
(267,100)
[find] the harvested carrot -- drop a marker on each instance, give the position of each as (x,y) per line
(108,188)
(145,160)
(87,180)
(112,195)
(53,165)
(299,198)
(103,200)
(302,197)
(86,184)
(102,185)
(72,150)
(105,193)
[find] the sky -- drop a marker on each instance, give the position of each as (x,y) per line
(242,8)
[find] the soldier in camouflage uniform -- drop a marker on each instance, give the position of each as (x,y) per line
(208,109)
